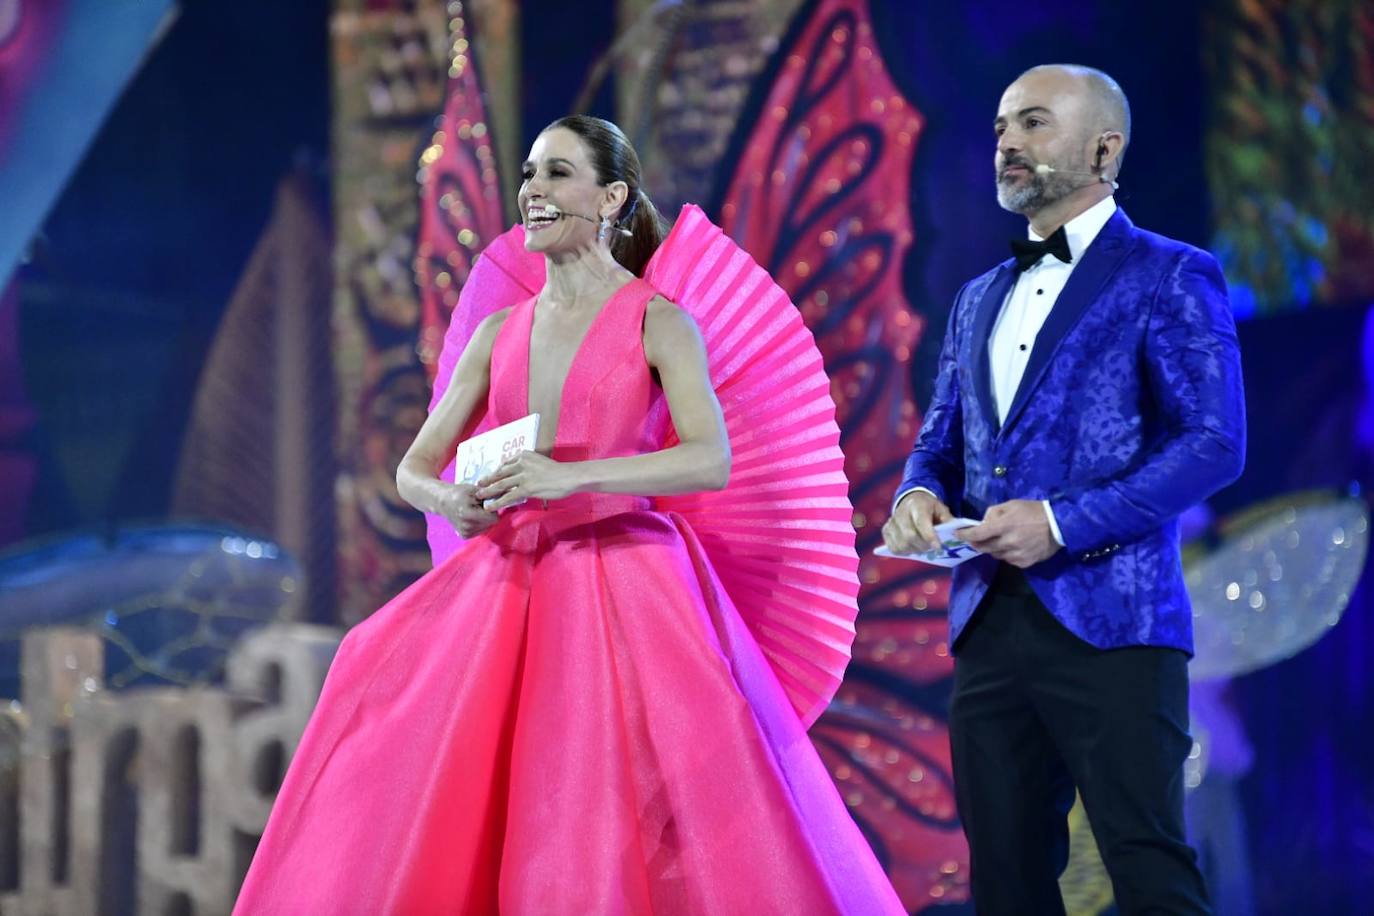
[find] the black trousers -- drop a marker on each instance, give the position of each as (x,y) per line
(1037,712)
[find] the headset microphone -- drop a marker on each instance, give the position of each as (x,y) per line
(561,212)
(1046,169)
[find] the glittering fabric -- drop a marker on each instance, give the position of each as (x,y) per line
(568,715)
(1130,411)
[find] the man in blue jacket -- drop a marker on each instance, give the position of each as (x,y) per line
(1089,391)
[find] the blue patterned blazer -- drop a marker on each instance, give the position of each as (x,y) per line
(1130,411)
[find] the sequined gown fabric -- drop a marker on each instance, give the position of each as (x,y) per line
(567,716)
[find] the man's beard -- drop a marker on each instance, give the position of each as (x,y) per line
(1036,192)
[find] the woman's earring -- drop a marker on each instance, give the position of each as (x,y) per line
(603,228)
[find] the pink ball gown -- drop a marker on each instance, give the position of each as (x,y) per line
(573,713)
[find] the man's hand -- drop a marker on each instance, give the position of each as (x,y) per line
(912,525)
(1015,532)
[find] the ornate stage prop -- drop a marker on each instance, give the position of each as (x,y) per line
(1277,581)
(168,601)
(158,699)
(460,198)
(683,73)
(1267,584)
(255,453)
(1291,123)
(393,294)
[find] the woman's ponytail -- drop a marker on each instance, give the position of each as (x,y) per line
(647,231)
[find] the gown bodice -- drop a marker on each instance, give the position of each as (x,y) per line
(610,406)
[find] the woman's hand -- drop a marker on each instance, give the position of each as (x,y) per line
(460,504)
(529,475)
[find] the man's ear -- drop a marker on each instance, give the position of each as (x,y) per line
(1109,147)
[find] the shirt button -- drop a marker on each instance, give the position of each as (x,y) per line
(1023,348)
(1040,292)
(999,471)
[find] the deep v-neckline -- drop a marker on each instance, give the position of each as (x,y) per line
(572,363)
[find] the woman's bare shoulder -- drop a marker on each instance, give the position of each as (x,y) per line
(670,331)
(484,335)
(667,317)
(493,322)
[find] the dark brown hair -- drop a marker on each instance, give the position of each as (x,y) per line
(616,160)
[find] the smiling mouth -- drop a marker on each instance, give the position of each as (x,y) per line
(541,217)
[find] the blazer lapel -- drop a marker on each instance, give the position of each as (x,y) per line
(1098,263)
(984,317)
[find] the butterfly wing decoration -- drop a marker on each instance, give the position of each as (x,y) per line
(819,193)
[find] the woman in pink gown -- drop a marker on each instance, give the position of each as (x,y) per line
(568,715)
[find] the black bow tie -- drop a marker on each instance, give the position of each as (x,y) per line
(1028,253)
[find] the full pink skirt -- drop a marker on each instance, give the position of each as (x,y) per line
(566,717)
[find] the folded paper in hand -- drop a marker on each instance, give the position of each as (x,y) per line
(950,552)
(480,455)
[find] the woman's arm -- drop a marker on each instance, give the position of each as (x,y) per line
(417,476)
(700,460)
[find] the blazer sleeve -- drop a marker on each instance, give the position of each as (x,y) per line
(936,463)
(1192,363)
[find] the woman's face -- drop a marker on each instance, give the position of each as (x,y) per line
(558,180)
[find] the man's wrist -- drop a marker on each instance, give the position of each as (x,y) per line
(908,491)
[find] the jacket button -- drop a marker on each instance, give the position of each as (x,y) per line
(999,471)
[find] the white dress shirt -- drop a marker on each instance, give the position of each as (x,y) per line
(1023,314)
(1028,304)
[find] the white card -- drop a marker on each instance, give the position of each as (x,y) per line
(951,551)
(480,455)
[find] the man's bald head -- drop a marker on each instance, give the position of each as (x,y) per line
(1105,107)
(1061,130)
